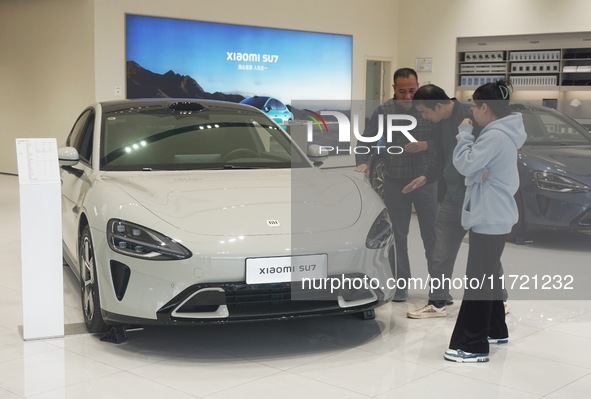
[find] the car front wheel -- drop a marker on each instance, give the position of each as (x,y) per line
(91,307)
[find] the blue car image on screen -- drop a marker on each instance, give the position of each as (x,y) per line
(274,108)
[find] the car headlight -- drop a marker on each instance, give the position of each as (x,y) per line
(134,240)
(558,184)
(380,232)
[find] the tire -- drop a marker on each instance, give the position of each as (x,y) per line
(89,287)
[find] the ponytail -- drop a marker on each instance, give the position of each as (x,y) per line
(496,95)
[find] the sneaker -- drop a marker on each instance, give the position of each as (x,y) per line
(427,312)
(459,356)
(498,341)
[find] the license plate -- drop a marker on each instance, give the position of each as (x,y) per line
(284,269)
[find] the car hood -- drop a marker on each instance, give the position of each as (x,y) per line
(245,202)
(575,159)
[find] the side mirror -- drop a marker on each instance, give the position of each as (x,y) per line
(68,156)
(317,154)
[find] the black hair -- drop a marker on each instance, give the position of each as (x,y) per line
(430,95)
(405,73)
(496,95)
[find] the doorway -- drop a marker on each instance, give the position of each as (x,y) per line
(377,85)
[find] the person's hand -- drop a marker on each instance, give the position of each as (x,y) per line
(413,185)
(363,168)
(484,176)
(466,121)
(416,147)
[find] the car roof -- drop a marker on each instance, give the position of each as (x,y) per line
(521,106)
(256,101)
(186,103)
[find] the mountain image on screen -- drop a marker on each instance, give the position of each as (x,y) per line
(143,83)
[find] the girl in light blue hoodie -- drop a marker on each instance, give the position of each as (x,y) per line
(489,164)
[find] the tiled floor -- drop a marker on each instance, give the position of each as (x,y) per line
(341,357)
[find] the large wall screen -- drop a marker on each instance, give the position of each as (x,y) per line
(182,58)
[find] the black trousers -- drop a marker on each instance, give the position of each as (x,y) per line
(400,206)
(482,313)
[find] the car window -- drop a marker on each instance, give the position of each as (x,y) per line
(258,102)
(162,139)
(75,133)
(81,136)
(85,144)
(545,127)
(276,104)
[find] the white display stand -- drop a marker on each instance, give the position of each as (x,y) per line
(41,238)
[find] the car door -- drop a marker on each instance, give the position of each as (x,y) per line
(75,180)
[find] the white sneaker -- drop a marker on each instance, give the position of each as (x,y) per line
(459,356)
(427,312)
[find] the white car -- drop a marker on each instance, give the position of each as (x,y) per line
(192,211)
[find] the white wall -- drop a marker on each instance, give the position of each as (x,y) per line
(429,28)
(46,69)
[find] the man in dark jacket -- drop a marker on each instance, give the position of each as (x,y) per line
(446,114)
(410,177)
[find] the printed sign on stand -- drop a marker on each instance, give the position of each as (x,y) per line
(41,238)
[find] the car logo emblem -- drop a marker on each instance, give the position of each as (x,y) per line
(273,223)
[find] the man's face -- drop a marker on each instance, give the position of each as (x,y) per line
(433,115)
(404,90)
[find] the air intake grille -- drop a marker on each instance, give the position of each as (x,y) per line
(272,299)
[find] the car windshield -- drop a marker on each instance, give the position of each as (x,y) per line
(545,127)
(159,138)
(258,102)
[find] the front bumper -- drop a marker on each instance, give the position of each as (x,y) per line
(234,302)
(207,288)
(557,211)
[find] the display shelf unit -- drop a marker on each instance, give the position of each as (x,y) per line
(534,69)
(480,67)
(576,67)
(560,61)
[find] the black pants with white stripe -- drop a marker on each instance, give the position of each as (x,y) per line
(482,313)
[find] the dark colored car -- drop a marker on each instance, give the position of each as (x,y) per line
(555,173)
(554,169)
